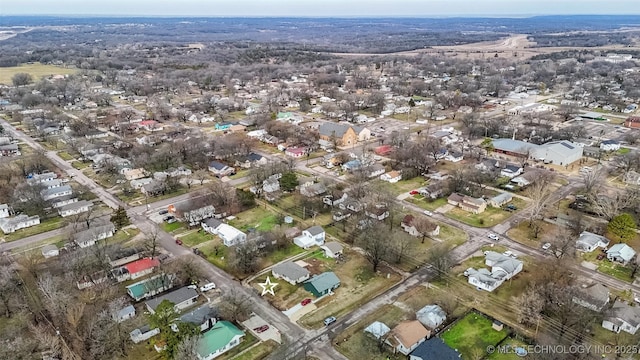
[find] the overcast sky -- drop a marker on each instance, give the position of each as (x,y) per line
(349,8)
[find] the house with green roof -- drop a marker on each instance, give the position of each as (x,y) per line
(322,284)
(149,287)
(222,337)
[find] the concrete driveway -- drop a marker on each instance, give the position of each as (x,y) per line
(256,321)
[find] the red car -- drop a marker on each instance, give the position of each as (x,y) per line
(413,192)
(178,241)
(305,302)
(261,329)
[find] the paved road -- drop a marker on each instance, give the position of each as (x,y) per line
(30,241)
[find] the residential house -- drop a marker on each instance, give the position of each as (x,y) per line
(211,225)
(343,134)
(632,177)
(134,174)
(230,235)
(594,297)
(312,189)
(407,335)
(377,329)
(323,284)
(434,349)
(501,199)
(335,198)
(467,203)
(252,160)
(139,183)
(143,333)
(332,249)
(431,316)
(295,152)
(312,236)
(75,208)
(38,178)
(454,156)
(621,253)
(204,317)
(192,212)
(391,177)
(374,170)
(4,211)
(339,215)
(153,188)
(587,242)
(408,226)
(632,122)
(290,272)
(223,126)
(64,200)
(95,134)
(488,165)
(526,179)
(90,236)
(150,125)
(610,145)
(135,269)
(352,165)
(127,312)
(11,224)
(511,171)
(502,268)
(49,194)
(181,299)
(50,184)
(378,212)
(433,190)
(50,250)
(439,176)
(351,205)
(222,337)
(150,287)
(622,317)
(221,170)
(10,150)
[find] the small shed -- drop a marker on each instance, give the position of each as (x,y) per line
(50,251)
(497,325)
(377,329)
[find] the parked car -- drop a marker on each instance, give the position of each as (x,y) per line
(261,329)
(493,237)
(305,302)
(207,287)
(511,207)
(428,213)
(546,246)
(330,320)
(413,192)
(178,241)
(171,221)
(162,212)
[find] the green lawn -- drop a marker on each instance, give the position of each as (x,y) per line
(404,186)
(616,270)
(472,334)
(170,228)
(65,155)
(258,218)
(509,345)
(240,174)
(36,70)
(427,204)
(79,165)
(490,217)
(258,352)
(623,151)
(453,235)
(247,342)
(124,235)
(279,255)
(215,253)
(46,225)
(196,237)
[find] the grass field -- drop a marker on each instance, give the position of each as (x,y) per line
(472,334)
(490,217)
(36,70)
(196,237)
(258,352)
(258,218)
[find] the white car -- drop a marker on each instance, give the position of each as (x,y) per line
(207,287)
(509,253)
(546,246)
(428,213)
(493,236)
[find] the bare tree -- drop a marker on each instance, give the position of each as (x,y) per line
(540,194)
(151,241)
(593,180)
(440,260)
(374,242)
(400,247)
(423,225)
(235,306)
(529,306)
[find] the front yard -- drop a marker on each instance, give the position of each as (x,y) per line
(472,335)
(426,203)
(258,218)
(196,237)
(404,186)
(490,217)
(44,226)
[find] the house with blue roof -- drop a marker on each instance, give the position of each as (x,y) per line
(223,126)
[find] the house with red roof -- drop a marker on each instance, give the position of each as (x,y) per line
(150,125)
(295,152)
(136,269)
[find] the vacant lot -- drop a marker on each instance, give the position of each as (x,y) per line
(196,237)
(488,218)
(36,70)
(472,334)
(257,218)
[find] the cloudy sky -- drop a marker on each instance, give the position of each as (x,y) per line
(318,8)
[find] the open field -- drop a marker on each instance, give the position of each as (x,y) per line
(490,217)
(472,334)
(258,352)
(36,70)
(258,218)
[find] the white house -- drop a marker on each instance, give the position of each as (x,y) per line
(75,208)
(511,171)
(332,249)
(48,194)
(610,145)
(142,334)
(377,329)
(90,236)
(181,298)
(123,314)
(431,316)
(621,253)
(9,225)
(407,335)
(588,241)
(230,236)
(4,211)
(314,235)
(622,317)
(391,177)
(222,337)
(210,225)
(290,272)
(502,268)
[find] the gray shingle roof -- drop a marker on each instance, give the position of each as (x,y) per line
(290,270)
(315,230)
(176,297)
